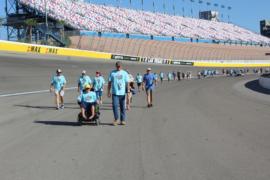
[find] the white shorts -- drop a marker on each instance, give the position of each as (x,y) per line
(61,92)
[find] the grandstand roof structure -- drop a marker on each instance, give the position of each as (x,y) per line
(101,18)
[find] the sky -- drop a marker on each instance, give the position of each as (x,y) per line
(244,13)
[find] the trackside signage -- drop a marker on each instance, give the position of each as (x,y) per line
(125,58)
(50,50)
(182,63)
(155,60)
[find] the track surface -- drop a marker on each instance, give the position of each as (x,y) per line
(212,129)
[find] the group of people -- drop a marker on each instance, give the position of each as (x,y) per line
(121,87)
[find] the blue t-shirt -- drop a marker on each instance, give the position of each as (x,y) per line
(58,82)
(170,76)
(139,78)
(98,83)
(84,80)
(161,75)
(156,76)
(88,97)
(149,81)
(119,81)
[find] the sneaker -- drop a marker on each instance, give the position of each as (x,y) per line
(115,123)
(62,106)
(57,108)
(123,123)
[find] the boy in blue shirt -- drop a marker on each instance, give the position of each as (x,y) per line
(139,80)
(98,84)
(87,102)
(149,82)
(83,80)
(117,89)
(58,83)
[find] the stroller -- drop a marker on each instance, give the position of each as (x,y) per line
(95,120)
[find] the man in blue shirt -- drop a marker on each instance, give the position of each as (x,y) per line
(58,83)
(98,84)
(149,82)
(117,86)
(83,80)
(139,80)
(88,101)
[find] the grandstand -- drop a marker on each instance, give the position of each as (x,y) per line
(87,17)
(102,18)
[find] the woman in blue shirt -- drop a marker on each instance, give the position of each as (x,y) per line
(58,83)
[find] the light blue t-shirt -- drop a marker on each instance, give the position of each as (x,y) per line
(161,75)
(139,78)
(84,80)
(149,81)
(58,82)
(88,97)
(170,76)
(119,81)
(98,83)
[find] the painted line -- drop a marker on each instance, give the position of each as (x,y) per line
(31,92)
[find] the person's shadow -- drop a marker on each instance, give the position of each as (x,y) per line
(69,123)
(43,107)
(255,86)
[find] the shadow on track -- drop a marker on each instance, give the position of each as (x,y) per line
(68,123)
(43,107)
(255,86)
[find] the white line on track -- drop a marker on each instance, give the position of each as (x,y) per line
(31,92)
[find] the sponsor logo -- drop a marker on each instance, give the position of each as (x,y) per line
(51,51)
(34,49)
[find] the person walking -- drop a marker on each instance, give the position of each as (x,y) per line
(139,80)
(129,92)
(179,75)
(149,82)
(83,81)
(117,86)
(58,84)
(98,84)
(161,75)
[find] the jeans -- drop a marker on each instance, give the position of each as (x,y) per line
(116,101)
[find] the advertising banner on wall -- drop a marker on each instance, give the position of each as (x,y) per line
(125,58)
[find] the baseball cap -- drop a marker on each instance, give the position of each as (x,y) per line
(84,72)
(87,86)
(58,70)
(149,69)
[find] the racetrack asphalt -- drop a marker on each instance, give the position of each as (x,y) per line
(210,129)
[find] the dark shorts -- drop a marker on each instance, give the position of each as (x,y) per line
(87,106)
(99,94)
(139,84)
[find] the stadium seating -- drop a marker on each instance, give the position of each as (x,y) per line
(100,18)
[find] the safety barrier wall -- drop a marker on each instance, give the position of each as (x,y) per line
(170,49)
(265,82)
(50,50)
